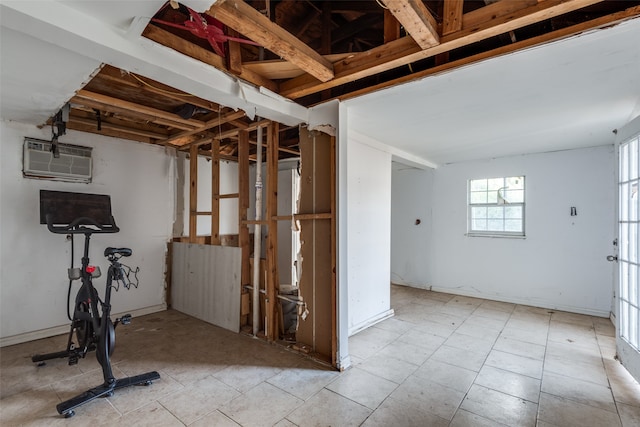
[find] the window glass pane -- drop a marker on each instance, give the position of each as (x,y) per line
(478,197)
(513,225)
(633,327)
(495,225)
(624,280)
(478,185)
(492,196)
(633,285)
(513,212)
(478,212)
(624,165)
(633,243)
(479,225)
(495,183)
(515,183)
(633,201)
(624,249)
(495,212)
(624,202)
(514,196)
(633,158)
(624,321)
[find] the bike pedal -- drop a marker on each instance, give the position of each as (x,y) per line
(126,319)
(73,360)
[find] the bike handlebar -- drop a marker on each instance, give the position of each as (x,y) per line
(82,225)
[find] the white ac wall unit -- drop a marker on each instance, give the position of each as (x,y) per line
(73,164)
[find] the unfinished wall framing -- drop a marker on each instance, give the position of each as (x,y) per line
(315,294)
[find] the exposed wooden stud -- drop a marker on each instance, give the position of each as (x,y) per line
(334,251)
(243,208)
(452,19)
(106,124)
(273,278)
(234,54)
(405,50)
(248,21)
(391,27)
(215,192)
(302,217)
(229,196)
(218,121)
(416,20)
(193,193)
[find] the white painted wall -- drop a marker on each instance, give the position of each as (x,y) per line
(411,243)
(561,264)
(368,229)
(33,262)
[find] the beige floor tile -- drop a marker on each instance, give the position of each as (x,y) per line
(131,398)
(216,418)
(625,390)
(263,405)
(393,412)
(507,307)
(485,322)
(394,325)
(478,331)
(491,313)
(454,377)
(151,415)
(464,359)
(329,409)
(500,407)
(580,391)
(408,352)
(507,382)
(428,396)
(527,310)
(414,313)
(534,335)
(604,326)
(284,423)
(520,348)
(467,419)
(304,380)
(448,319)
(514,363)
(198,399)
(578,319)
(467,343)
(576,353)
(363,387)
(389,368)
(440,329)
(422,339)
(629,415)
(245,377)
(565,412)
(581,371)
(579,335)
(366,343)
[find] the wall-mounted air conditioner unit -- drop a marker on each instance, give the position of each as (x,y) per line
(73,164)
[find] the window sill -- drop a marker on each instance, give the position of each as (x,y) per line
(496,236)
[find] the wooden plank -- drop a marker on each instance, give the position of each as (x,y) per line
(405,50)
(334,252)
(229,196)
(299,217)
(234,54)
(452,19)
(215,192)
(391,27)
(105,124)
(193,194)
(129,109)
(545,38)
(416,20)
(252,24)
(277,69)
(218,121)
(273,278)
(108,132)
(243,203)
(185,47)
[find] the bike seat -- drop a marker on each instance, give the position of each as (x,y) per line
(120,251)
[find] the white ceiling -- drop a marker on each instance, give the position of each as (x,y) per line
(568,94)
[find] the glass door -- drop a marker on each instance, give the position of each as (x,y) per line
(628,255)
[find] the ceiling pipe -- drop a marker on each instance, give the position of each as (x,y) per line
(257,237)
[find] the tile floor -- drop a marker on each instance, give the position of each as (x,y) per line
(443,360)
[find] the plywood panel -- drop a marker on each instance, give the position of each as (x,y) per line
(206,283)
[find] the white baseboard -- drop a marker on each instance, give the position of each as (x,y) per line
(371,321)
(64,329)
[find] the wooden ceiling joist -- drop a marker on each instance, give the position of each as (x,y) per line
(115,105)
(252,24)
(452,16)
(500,19)
(218,121)
(417,21)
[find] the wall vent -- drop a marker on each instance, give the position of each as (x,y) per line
(74,163)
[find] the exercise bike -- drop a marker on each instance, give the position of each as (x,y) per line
(91,326)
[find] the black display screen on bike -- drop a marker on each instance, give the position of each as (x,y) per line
(65,207)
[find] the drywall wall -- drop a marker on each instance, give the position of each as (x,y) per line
(368,229)
(33,262)
(411,225)
(561,263)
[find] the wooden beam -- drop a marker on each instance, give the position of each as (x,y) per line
(273,278)
(243,205)
(452,19)
(500,18)
(120,106)
(278,69)
(416,20)
(234,54)
(185,47)
(252,24)
(193,194)
(218,121)
(105,124)
(215,192)
(334,252)
(538,40)
(391,27)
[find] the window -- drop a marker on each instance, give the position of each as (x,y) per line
(496,206)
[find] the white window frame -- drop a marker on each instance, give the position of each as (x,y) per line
(492,233)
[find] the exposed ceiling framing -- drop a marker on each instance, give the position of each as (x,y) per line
(312,51)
